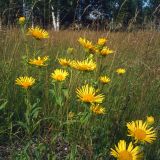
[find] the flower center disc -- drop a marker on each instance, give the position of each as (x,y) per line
(125,155)
(60,77)
(88,98)
(26,84)
(140,134)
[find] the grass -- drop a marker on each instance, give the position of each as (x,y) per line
(35,123)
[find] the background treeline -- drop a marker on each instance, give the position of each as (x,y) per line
(65,13)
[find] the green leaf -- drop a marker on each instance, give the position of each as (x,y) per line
(3,105)
(65,92)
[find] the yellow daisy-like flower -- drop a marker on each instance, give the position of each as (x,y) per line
(64,62)
(104,79)
(124,152)
(141,131)
(120,71)
(150,120)
(88,94)
(25,82)
(105,51)
(85,43)
(59,75)
(21,20)
(101,41)
(97,109)
(86,65)
(38,33)
(39,62)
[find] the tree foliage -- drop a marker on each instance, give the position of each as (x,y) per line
(39,11)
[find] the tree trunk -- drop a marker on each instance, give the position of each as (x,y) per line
(55,19)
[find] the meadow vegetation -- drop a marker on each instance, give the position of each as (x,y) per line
(72,111)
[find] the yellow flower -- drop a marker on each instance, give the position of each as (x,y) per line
(150,120)
(40,62)
(38,33)
(105,51)
(101,41)
(85,43)
(59,75)
(97,109)
(121,71)
(141,131)
(86,65)
(25,82)
(88,94)
(64,62)
(21,20)
(70,50)
(105,79)
(124,152)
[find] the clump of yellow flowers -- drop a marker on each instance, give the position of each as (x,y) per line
(140,131)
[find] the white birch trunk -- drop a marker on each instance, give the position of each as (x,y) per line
(55,19)
(58,20)
(32,17)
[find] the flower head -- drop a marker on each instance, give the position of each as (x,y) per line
(105,51)
(141,131)
(97,109)
(88,94)
(38,33)
(25,82)
(104,79)
(150,120)
(120,71)
(39,62)
(59,75)
(124,152)
(64,62)
(86,44)
(101,41)
(86,65)
(21,20)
